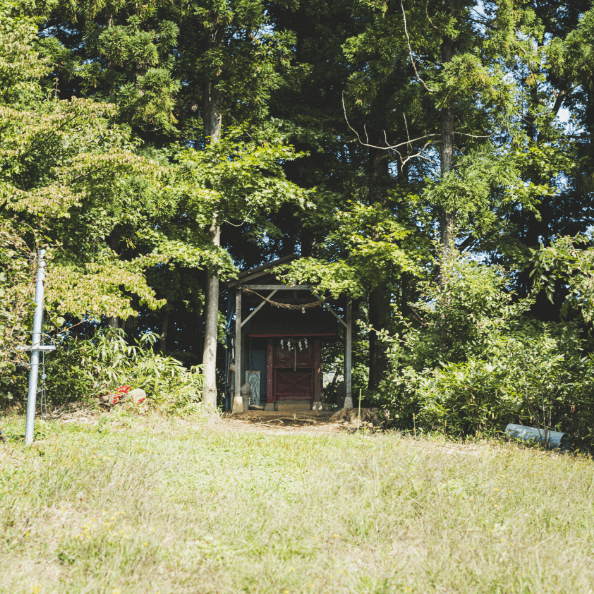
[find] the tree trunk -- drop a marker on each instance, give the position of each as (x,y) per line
(130,323)
(164,330)
(379,319)
(212,130)
(379,298)
(447,215)
(309,244)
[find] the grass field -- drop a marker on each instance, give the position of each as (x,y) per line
(151,505)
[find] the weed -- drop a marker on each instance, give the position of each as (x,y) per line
(167,505)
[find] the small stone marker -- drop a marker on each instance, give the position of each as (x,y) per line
(137,396)
(123,394)
(319,406)
(246,393)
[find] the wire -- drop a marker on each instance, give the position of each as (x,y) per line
(43,400)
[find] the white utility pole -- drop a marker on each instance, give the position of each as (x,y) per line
(36,348)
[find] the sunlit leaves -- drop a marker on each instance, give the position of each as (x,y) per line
(565,261)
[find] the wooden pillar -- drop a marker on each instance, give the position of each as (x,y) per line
(317,371)
(237,399)
(348,354)
(269,372)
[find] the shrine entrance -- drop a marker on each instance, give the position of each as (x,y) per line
(275,349)
(294,369)
(293,385)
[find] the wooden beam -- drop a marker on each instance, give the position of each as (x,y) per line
(334,313)
(348,352)
(251,277)
(269,371)
(258,308)
(277,287)
(237,406)
(267,268)
(317,371)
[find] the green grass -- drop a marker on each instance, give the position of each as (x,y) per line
(154,505)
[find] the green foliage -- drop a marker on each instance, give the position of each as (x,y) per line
(17,285)
(333,120)
(238,180)
(563,261)
(21,66)
(476,363)
(463,313)
(369,242)
(85,368)
(537,378)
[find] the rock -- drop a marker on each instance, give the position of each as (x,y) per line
(137,396)
(246,394)
(241,403)
(319,406)
(370,416)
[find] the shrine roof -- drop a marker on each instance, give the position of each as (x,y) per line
(262,273)
(280,322)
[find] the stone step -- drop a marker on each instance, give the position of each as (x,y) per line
(295,406)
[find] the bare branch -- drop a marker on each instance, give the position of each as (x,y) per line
(473,135)
(383,148)
(414,156)
(411,54)
(406,126)
(428,17)
(240,224)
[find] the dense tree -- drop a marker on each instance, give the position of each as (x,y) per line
(157,148)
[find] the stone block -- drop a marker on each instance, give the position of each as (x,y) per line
(246,393)
(137,396)
(293,406)
(269,406)
(237,405)
(319,406)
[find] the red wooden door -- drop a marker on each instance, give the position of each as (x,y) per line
(293,385)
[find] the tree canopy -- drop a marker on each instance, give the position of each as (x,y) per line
(431,160)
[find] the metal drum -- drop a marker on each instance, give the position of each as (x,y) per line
(550,439)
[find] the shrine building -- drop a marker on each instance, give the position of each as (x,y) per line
(276,342)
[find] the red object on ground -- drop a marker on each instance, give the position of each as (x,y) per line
(119,392)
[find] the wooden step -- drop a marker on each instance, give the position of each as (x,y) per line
(293,406)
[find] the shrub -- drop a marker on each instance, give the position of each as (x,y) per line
(476,363)
(85,368)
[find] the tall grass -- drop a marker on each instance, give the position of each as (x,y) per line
(156,505)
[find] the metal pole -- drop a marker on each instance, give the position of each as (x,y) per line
(36,341)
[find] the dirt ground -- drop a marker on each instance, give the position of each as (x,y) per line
(253,421)
(283,423)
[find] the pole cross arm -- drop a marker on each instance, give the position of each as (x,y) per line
(47,347)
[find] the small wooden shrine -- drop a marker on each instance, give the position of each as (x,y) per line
(277,339)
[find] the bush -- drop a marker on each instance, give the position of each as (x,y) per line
(17,287)
(85,368)
(478,363)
